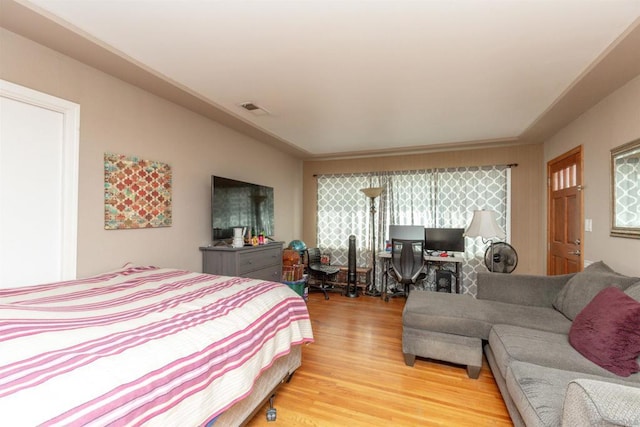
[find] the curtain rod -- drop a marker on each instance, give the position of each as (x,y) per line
(508,165)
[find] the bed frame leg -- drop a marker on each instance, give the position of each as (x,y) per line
(288,380)
(271,412)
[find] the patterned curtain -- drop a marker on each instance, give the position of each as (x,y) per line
(343,210)
(444,198)
(627,179)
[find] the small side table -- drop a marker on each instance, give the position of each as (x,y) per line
(363,277)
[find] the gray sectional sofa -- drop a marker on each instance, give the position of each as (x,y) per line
(524,323)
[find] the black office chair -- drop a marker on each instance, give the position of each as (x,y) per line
(407,265)
(319,271)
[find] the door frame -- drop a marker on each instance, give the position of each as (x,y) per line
(70,137)
(580,165)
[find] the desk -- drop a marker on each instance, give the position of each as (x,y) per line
(458,259)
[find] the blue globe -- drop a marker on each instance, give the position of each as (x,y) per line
(298,246)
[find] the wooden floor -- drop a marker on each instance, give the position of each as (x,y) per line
(354,375)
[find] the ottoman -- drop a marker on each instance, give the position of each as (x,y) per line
(435,326)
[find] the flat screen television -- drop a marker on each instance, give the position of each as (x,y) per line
(406,232)
(240,204)
(444,239)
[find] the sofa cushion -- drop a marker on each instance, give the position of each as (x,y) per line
(600,403)
(512,343)
(633,291)
(467,316)
(607,332)
(538,392)
(582,287)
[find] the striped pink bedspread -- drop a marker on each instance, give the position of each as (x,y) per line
(141,345)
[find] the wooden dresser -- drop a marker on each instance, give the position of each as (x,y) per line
(258,262)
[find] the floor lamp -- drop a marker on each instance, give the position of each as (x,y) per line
(484,224)
(372,193)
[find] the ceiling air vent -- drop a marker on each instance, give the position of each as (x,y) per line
(254,109)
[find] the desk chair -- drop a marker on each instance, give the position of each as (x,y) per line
(319,271)
(407,264)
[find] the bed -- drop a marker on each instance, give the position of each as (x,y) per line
(146,346)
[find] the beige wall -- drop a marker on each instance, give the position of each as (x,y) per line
(121,118)
(527,208)
(612,122)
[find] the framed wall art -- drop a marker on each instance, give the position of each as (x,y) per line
(625,190)
(137,193)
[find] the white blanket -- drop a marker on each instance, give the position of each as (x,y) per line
(142,345)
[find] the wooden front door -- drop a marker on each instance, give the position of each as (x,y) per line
(565,218)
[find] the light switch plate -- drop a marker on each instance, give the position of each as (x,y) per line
(588,225)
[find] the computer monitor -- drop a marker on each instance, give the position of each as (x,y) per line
(406,232)
(444,239)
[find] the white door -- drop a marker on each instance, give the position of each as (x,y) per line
(38,187)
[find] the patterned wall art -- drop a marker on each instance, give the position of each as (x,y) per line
(137,193)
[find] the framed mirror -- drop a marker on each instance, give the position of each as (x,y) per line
(625,190)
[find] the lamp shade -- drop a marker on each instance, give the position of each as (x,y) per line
(484,224)
(372,192)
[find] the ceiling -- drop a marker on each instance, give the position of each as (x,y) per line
(345,78)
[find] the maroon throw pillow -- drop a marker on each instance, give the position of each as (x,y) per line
(607,331)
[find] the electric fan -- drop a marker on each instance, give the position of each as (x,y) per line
(505,258)
(352,292)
